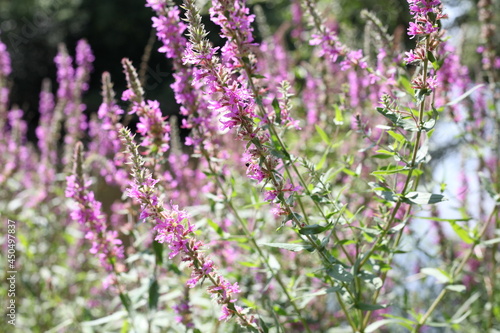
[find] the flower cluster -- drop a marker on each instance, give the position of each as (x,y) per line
(48,155)
(236,27)
(490,62)
(46,107)
(84,59)
(426,15)
(152,125)
(234,102)
(169,29)
(183,311)
(332,49)
(5,69)
(200,119)
(65,73)
(105,242)
(103,130)
(15,145)
(173,227)
(229,98)
(72,83)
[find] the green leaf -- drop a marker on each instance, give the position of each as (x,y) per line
(437,219)
(338,272)
(461,232)
(313,229)
(277,110)
(322,134)
(422,198)
(429,125)
(383,192)
(371,279)
(491,241)
(257,76)
(339,119)
(249,264)
(216,227)
(397,228)
(420,95)
(440,275)
(279,310)
(127,303)
(373,327)
(405,123)
(125,327)
(154,295)
(117,316)
(383,151)
(322,160)
(436,64)
(402,319)
(263,325)
(350,172)
(333,289)
(387,195)
(488,186)
(388,170)
(397,136)
(382,156)
(173,268)
(158,250)
(369,307)
(464,95)
(290,247)
(422,154)
(430,56)
(459,288)
(277,153)
(405,82)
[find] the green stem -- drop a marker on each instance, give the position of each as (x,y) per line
(249,236)
(392,218)
(346,312)
(455,272)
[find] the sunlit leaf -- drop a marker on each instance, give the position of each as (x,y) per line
(464,95)
(423,198)
(338,272)
(440,275)
(290,247)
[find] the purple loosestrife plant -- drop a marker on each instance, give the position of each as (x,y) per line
(65,74)
(105,242)
(73,82)
(172,226)
(330,46)
(356,182)
(188,94)
(5,70)
(152,126)
(15,146)
(87,212)
(234,102)
(48,155)
(265,155)
(202,119)
(104,132)
(183,311)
